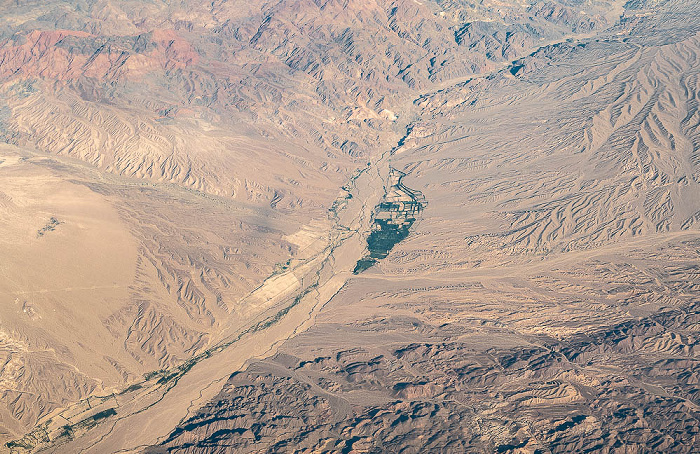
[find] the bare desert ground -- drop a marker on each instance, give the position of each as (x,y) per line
(363,226)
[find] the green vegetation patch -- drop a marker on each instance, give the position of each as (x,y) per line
(102,415)
(392,221)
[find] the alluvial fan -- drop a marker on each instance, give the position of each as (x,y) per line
(349,226)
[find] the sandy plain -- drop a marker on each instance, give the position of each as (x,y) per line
(200,297)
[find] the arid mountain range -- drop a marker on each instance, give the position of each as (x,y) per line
(349,226)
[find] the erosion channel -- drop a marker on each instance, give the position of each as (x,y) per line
(285,304)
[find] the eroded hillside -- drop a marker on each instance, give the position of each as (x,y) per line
(187,189)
